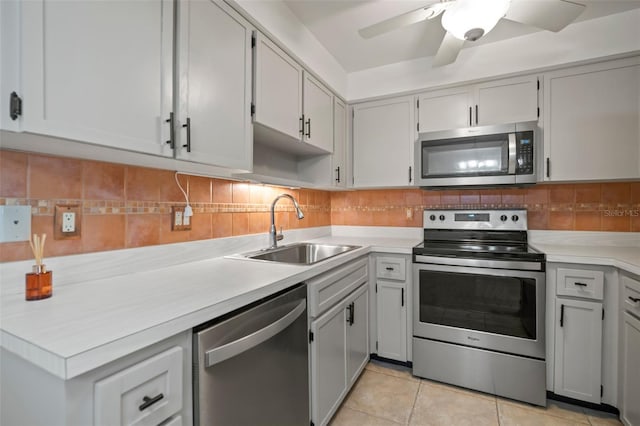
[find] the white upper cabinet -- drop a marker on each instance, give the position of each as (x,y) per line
(384,133)
(495,102)
(94,71)
(318,114)
(293,110)
(278,89)
(339,143)
(214,63)
(592,122)
(506,101)
(444,109)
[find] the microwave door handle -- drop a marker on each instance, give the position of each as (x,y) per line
(512,154)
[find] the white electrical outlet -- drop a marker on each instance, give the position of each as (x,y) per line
(177,220)
(186,221)
(68,222)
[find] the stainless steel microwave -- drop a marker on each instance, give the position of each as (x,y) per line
(503,154)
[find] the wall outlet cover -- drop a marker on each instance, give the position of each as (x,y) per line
(67,222)
(15,223)
(179,222)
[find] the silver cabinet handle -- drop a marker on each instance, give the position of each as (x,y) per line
(512,153)
(224,352)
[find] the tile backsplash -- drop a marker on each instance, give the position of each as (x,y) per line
(127,206)
(608,206)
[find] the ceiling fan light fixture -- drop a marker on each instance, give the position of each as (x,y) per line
(471,19)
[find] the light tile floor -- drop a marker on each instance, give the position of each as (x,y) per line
(388,395)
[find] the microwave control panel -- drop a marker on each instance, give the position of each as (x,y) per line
(524,153)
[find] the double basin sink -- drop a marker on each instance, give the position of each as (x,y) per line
(301,253)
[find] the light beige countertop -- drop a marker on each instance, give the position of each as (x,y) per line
(125,307)
(86,325)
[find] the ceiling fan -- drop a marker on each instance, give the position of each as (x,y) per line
(468,20)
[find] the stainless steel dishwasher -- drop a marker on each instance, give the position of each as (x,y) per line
(251,366)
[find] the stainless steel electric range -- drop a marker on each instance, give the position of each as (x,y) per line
(479,304)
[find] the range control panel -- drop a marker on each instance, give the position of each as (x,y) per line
(511,220)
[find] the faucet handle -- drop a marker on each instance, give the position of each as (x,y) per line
(280,236)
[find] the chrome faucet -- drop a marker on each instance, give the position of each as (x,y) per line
(274,237)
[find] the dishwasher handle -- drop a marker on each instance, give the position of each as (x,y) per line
(224,352)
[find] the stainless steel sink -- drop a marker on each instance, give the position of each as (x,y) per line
(301,253)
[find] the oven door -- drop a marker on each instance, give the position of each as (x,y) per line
(496,309)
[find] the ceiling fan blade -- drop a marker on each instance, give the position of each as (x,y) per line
(448,51)
(396,22)
(552,15)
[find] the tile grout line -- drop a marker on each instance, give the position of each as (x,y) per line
(415,401)
(497,411)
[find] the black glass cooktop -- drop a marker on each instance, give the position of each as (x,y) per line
(478,244)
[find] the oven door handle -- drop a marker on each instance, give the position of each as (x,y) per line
(480,263)
(224,352)
(512,154)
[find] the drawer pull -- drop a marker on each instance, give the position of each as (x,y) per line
(634,299)
(148,402)
(580,284)
(389,268)
(562,315)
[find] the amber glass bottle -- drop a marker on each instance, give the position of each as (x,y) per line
(39,283)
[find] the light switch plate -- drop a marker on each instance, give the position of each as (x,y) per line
(15,223)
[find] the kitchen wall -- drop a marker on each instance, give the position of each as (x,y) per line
(128,206)
(612,206)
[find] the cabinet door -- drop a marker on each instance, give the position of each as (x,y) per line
(214,85)
(630,374)
(103,76)
(392,320)
(278,89)
(383,136)
(318,114)
(358,335)
(592,122)
(444,109)
(578,349)
(506,101)
(328,363)
(339,143)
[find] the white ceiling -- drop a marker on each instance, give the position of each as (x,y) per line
(335,23)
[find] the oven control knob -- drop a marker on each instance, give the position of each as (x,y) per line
(515,218)
(432,217)
(503,218)
(441,217)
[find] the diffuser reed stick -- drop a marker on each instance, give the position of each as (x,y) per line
(37,247)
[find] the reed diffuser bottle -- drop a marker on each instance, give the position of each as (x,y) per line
(39,282)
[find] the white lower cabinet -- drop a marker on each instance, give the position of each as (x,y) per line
(578,349)
(339,352)
(630,414)
(151,386)
(630,352)
(391,316)
(147,393)
(392,320)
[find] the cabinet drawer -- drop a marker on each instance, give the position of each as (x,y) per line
(391,268)
(631,295)
(126,398)
(327,289)
(583,283)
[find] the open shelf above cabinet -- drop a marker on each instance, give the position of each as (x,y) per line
(263,135)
